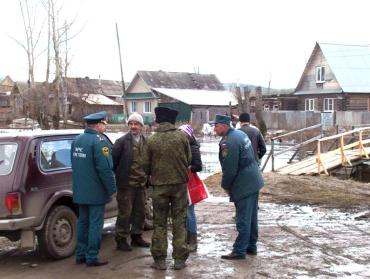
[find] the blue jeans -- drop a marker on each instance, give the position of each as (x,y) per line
(246,224)
(89,232)
(191,220)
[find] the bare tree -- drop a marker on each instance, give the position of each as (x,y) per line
(246,104)
(259,103)
(59,35)
(48,43)
(32,37)
(242,98)
(32,102)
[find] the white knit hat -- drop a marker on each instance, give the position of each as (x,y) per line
(187,129)
(136,117)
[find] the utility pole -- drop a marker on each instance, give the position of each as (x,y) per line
(125,109)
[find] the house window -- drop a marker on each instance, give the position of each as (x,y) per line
(266,107)
(328,104)
(147,106)
(309,104)
(275,107)
(320,74)
(133,106)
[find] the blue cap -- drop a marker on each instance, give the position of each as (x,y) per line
(222,119)
(98,117)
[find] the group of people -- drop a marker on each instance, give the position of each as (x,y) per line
(101,172)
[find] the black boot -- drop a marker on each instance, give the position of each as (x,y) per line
(123,245)
(97,263)
(148,225)
(138,241)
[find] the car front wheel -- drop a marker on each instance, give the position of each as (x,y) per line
(58,237)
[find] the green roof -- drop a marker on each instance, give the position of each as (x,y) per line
(140,96)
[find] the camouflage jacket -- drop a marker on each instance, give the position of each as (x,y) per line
(167,156)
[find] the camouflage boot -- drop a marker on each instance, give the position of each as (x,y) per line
(159,264)
(179,264)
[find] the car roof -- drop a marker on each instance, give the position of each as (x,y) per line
(38,133)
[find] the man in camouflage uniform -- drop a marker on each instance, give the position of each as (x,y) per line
(131,182)
(167,159)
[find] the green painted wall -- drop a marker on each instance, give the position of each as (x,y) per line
(183,109)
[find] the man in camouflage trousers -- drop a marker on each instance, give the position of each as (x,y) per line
(131,183)
(167,159)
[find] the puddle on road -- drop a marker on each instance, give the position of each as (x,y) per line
(209,152)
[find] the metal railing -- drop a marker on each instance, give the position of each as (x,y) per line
(296,147)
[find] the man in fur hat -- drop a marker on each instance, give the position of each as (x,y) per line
(167,160)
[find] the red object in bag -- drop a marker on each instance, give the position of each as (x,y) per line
(197,191)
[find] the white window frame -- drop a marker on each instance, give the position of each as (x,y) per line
(309,104)
(133,106)
(266,107)
(276,107)
(328,105)
(320,74)
(150,107)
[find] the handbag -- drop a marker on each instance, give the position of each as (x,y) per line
(197,190)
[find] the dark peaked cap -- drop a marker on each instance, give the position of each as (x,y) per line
(163,114)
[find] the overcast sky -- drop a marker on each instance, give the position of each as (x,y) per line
(238,40)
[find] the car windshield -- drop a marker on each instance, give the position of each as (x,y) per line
(7,156)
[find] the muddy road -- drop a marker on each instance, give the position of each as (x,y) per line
(297,240)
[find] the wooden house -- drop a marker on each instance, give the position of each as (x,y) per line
(197,97)
(85,95)
(336,78)
(11,102)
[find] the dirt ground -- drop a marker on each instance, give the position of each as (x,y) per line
(326,191)
(310,227)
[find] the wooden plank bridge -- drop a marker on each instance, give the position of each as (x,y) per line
(344,155)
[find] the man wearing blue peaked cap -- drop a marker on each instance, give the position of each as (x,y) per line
(93,185)
(222,119)
(242,180)
(98,117)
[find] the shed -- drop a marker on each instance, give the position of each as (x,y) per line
(196,106)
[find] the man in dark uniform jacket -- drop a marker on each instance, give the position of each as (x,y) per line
(242,180)
(93,186)
(255,136)
(131,178)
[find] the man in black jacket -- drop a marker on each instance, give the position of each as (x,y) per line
(255,136)
(131,182)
